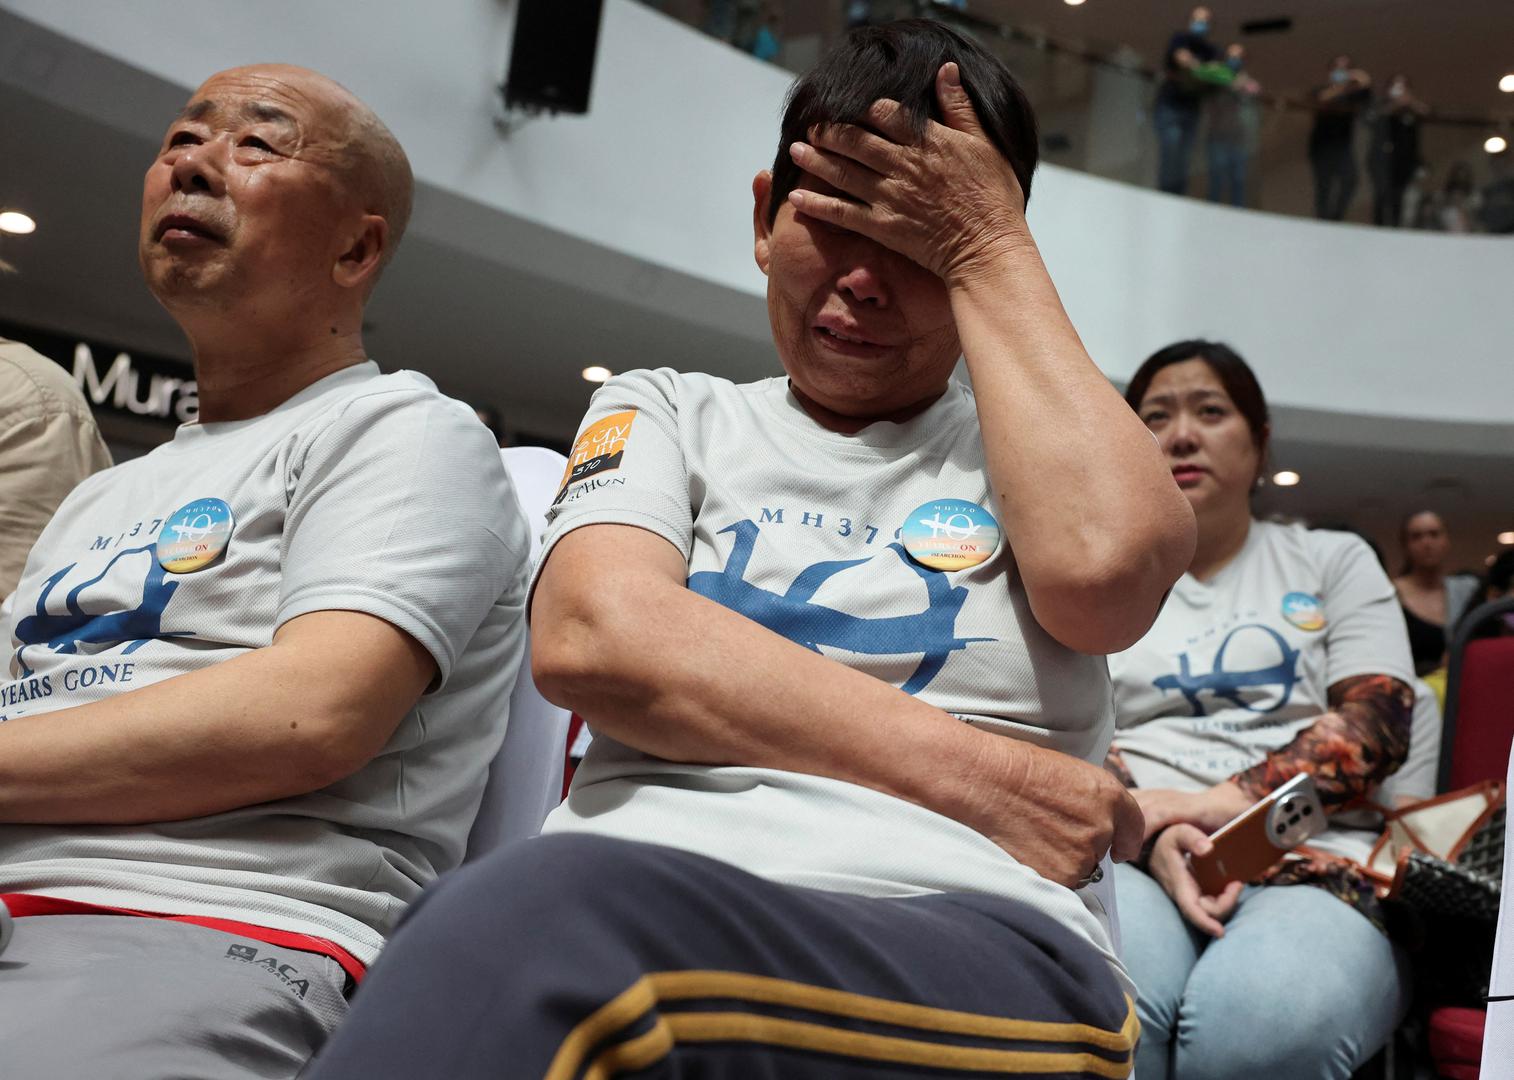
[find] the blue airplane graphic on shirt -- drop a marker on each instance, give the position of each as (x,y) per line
(795,615)
(65,633)
(1227,685)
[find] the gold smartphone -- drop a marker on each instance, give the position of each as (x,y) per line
(1250,844)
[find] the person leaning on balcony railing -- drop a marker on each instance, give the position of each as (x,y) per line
(1394,156)
(1231,131)
(1180,96)
(1332,146)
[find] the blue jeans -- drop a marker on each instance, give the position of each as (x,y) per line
(1301,985)
(1176,129)
(1227,169)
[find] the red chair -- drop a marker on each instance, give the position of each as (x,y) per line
(574,748)
(1498,1047)
(1456,1037)
(1475,740)
(1479,714)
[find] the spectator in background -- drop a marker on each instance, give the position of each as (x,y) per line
(1432,599)
(1177,113)
(766,43)
(1419,200)
(1459,204)
(1497,584)
(1395,156)
(1281,651)
(1497,210)
(859,13)
(720,19)
(1332,146)
(1232,130)
(48,443)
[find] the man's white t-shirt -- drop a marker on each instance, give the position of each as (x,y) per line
(364,492)
(1235,667)
(798,528)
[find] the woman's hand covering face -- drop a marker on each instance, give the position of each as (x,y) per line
(948,201)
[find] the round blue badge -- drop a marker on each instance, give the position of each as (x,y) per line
(1304,611)
(950,534)
(194,536)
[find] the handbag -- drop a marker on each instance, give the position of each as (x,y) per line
(1443,857)
(1439,862)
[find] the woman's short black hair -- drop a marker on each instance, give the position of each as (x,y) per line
(1235,376)
(899,60)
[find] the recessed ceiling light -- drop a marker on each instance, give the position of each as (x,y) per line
(1506,538)
(14,221)
(1286,478)
(1506,84)
(595,373)
(1496,144)
(1072,3)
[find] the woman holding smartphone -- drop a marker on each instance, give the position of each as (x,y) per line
(1281,651)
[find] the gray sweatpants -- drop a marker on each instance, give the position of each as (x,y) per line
(574,955)
(106,997)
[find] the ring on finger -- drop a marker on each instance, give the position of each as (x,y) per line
(1092,879)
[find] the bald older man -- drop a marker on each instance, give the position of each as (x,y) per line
(258,674)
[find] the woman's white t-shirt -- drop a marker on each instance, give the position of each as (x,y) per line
(1237,666)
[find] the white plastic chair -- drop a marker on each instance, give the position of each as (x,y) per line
(525,779)
(1104,890)
(1498,1036)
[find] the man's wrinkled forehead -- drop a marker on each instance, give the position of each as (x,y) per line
(290,97)
(216,110)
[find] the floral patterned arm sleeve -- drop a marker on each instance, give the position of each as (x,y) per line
(1114,764)
(1360,742)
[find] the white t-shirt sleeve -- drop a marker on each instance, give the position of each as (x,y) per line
(1365,632)
(627,466)
(399,507)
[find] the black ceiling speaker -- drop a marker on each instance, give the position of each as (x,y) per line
(1279,25)
(552,57)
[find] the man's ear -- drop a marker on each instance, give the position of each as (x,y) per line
(762,192)
(357,266)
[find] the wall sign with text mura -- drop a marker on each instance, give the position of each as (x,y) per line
(115,380)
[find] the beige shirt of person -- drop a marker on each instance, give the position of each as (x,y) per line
(48,443)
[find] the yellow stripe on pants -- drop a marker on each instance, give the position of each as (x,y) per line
(644,994)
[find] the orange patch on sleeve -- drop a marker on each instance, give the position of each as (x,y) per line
(600,448)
